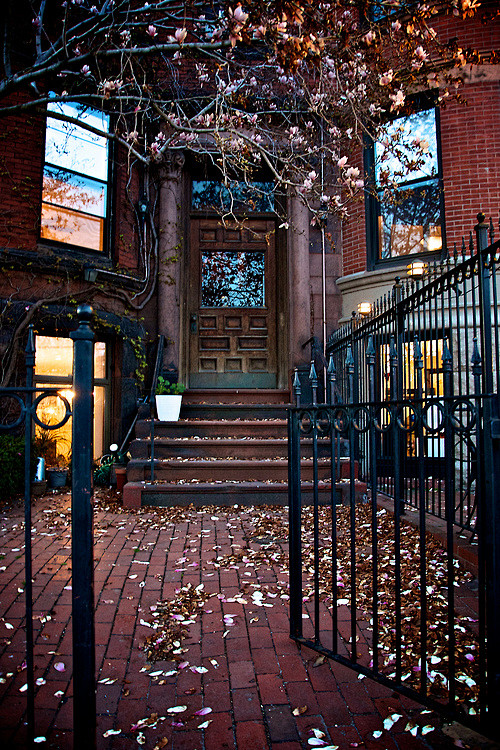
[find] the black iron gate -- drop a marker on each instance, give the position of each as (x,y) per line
(19,407)
(413,394)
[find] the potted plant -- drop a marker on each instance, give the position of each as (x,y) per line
(55,448)
(168,399)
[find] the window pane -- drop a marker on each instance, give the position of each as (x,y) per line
(395,151)
(72,147)
(54,356)
(72,228)
(74,191)
(210,194)
(232,279)
(411,223)
(99,360)
(53,445)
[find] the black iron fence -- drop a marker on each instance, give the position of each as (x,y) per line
(412,390)
(19,415)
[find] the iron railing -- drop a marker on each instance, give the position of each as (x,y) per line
(458,309)
(18,415)
(412,390)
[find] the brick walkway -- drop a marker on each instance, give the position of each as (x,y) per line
(253,676)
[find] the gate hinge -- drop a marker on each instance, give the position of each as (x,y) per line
(495,428)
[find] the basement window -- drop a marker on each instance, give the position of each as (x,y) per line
(75,178)
(54,369)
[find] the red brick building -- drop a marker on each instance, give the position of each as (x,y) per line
(146,249)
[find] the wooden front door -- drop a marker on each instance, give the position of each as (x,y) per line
(232,305)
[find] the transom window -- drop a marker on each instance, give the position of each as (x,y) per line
(75,178)
(238,197)
(408,204)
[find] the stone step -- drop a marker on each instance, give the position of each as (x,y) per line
(225,447)
(213,470)
(166,494)
(272,428)
(233,411)
(238,396)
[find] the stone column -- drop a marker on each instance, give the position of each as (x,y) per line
(298,280)
(169,272)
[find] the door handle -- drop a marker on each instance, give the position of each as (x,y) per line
(193,323)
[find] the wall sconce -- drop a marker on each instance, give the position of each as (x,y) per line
(90,274)
(364,308)
(417,269)
(143,208)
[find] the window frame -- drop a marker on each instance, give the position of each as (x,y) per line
(373,204)
(108,203)
(64,382)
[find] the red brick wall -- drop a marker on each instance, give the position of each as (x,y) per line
(470,138)
(21,143)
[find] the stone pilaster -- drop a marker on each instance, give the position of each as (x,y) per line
(170,254)
(298,280)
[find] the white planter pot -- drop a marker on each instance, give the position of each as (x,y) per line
(168,408)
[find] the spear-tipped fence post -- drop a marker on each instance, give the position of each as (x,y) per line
(84,695)
(314,383)
(28,589)
(332,379)
(297,390)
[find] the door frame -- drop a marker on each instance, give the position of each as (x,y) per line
(280,289)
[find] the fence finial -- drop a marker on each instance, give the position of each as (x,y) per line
(30,345)
(476,357)
(417,354)
(370,350)
(393,352)
(446,358)
(296,387)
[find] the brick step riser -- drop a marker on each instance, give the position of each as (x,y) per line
(233,411)
(137,495)
(235,449)
(228,396)
(227,429)
(215,471)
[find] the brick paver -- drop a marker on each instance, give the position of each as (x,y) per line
(253,676)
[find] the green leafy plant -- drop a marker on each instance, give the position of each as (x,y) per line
(12,476)
(165,388)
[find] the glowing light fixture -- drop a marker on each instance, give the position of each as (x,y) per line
(417,269)
(364,308)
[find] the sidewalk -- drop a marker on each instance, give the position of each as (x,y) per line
(236,658)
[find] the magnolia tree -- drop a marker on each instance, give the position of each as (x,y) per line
(282,88)
(289,87)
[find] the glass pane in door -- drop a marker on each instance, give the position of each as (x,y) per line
(232,279)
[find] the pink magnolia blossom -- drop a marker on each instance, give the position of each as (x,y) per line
(386,78)
(151,30)
(180,35)
(240,15)
(398,100)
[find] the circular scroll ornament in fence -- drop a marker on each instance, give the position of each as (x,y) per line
(341,420)
(323,422)
(361,419)
(463,415)
(12,410)
(306,422)
(407,417)
(433,417)
(382,418)
(55,425)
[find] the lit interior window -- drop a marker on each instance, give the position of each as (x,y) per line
(54,369)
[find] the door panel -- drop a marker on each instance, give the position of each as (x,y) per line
(232,305)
